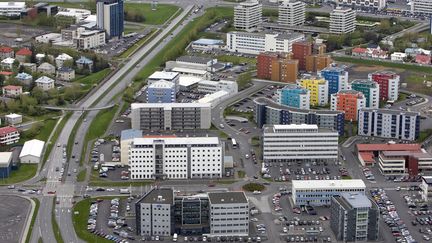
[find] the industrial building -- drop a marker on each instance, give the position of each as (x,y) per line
(170,116)
(31,153)
(320,192)
(389,124)
(5,164)
(354,217)
(270,113)
(283,143)
(176,157)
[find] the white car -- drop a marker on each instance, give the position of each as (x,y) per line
(285,230)
(257,192)
(110,189)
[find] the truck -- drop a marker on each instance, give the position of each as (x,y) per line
(124,191)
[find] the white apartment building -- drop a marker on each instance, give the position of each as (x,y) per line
(398,56)
(389,123)
(320,192)
(248,15)
(426,188)
(209,87)
(176,158)
(62,58)
(421,7)
(87,39)
(11,9)
(342,20)
(255,43)
(170,116)
(291,13)
(299,143)
(229,214)
(371,4)
(45,83)
(153,213)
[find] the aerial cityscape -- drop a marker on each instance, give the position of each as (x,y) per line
(215,121)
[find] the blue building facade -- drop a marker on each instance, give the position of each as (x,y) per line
(336,77)
(110,17)
(268,112)
(294,96)
(161,92)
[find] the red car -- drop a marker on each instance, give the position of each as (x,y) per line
(52,192)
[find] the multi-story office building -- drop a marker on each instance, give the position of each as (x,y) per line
(301,50)
(161,92)
(176,158)
(291,13)
(209,87)
(299,143)
(294,96)
(255,43)
(160,213)
(229,214)
(363,4)
(426,188)
(336,77)
(154,212)
(320,192)
(354,217)
(342,20)
(421,7)
(88,39)
(404,162)
(348,101)
(172,77)
(389,123)
(370,90)
(170,116)
(110,17)
(388,83)
(277,67)
(11,9)
(192,214)
(315,63)
(271,113)
(318,90)
(248,15)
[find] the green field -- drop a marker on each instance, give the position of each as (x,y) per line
(46,130)
(36,210)
(81,175)
(238,60)
(142,11)
(25,172)
(93,79)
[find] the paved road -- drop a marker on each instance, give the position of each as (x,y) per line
(106,92)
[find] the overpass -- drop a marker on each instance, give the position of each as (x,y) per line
(57,108)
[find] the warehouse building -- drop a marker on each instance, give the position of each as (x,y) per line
(5,164)
(31,153)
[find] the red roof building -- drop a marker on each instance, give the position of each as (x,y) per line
(23,55)
(6,52)
(358,51)
(387,147)
(9,135)
(423,59)
(12,91)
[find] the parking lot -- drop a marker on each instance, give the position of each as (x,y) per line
(13,212)
(10,32)
(117,47)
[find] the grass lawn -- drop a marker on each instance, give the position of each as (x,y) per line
(95,180)
(71,139)
(46,130)
(24,172)
(93,79)
(402,96)
(415,82)
(250,187)
(424,134)
(225,182)
(231,112)
(36,210)
(56,228)
(241,174)
(81,175)
(137,45)
(153,17)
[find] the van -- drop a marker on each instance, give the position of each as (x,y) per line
(175,237)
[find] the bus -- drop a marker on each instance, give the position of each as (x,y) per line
(234,143)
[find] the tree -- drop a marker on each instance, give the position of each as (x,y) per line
(2,79)
(71,93)
(40,95)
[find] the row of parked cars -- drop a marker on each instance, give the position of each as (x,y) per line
(390,216)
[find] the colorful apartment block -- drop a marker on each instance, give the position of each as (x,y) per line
(370,90)
(348,101)
(294,96)
(315,63)
(300,51)
(388,83)
(277,67)
(318,91)
(336,77)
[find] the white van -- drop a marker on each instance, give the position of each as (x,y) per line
(175,237)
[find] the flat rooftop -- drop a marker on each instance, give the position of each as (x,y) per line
(227,197)
(328,184)
(168,106)
(388,147)
(158,196)
(270,103)
(177,140)
(354,200)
